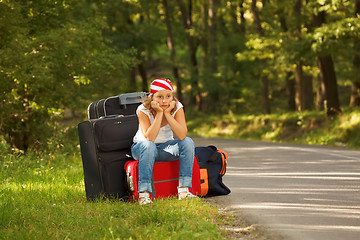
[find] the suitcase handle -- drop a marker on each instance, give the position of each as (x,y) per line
(131,98)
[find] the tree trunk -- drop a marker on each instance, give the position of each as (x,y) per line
(213,81)
(298,86)
(290,90)
(140,66)
(290,83)
(132,80)
(308,92)
(355,87)
(298,67)
(328,75)
(204,39)
(142,72)
(171,46)
(320,95)
(265,100)
(304,96)
(194,71)
(256,18)
(265,106)
(213,5)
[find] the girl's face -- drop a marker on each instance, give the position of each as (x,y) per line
(164,98)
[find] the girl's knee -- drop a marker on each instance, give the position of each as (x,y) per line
(142,149)
(148,146)
(188,142)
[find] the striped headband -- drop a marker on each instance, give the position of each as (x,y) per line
(160,84)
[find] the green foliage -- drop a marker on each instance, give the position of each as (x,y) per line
(43,197)
(51,59)
(336,36)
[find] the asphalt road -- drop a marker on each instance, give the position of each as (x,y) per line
(296,191)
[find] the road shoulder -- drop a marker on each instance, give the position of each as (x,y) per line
(239,225)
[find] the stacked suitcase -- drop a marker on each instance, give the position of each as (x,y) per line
(124,104)
(165,179)
(105,142)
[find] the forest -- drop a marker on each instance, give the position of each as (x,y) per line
(239,56)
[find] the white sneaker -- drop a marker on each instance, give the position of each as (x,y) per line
(144,198)
(183,193)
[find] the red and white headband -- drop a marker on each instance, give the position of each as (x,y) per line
(160,84)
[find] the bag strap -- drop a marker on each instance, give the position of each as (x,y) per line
(224,158)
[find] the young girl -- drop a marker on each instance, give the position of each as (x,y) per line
(160,116)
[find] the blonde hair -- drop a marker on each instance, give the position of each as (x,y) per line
(147,104)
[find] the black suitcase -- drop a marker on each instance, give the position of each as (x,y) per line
(105,148)
(92,110)
(124,104)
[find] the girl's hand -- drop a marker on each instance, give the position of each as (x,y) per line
(156,106)
(171,107)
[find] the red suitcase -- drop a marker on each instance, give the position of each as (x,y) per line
(165,179)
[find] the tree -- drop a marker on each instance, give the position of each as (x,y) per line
(303,82)
(265,101)
(171,46)
(327,74)
(51,59)
(213,6)
(290,83)
(355,86)
(186,13)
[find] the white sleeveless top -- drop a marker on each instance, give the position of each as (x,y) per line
(165,133)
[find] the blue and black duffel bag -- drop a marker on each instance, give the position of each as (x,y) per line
(212,162)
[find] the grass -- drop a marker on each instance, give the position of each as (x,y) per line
(44,198)
(296,127)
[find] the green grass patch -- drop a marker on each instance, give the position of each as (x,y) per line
(44,198)
(299,127)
